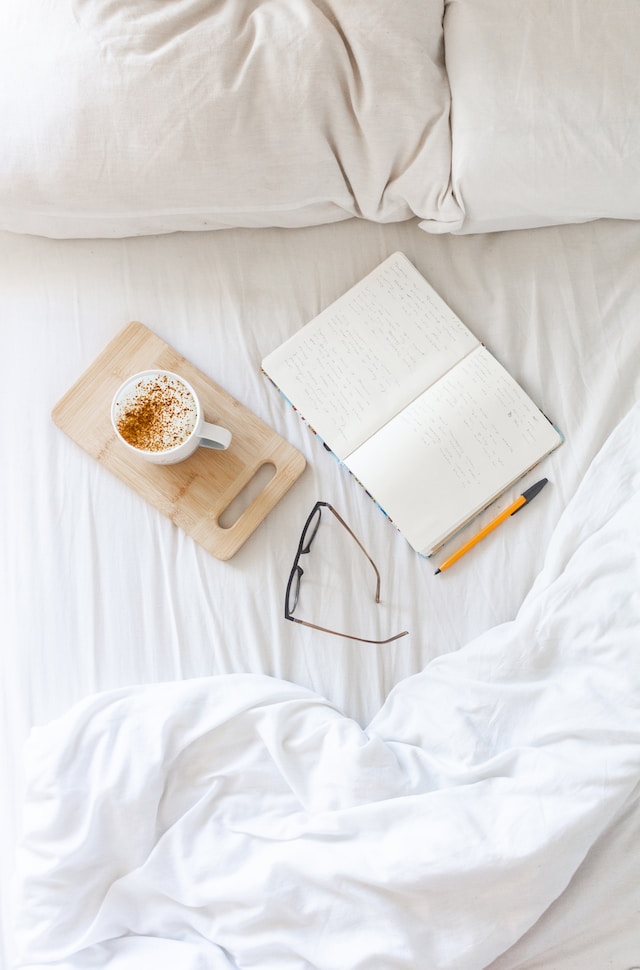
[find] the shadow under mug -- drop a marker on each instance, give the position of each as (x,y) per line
(161,415)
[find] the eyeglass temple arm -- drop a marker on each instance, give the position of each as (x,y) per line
(347,636)
(375,568)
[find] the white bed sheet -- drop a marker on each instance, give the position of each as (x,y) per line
(250,823)
(100,592)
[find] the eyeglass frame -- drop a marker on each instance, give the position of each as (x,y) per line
(297,572)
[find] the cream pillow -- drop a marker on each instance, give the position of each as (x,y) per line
(123,118)
(545,110)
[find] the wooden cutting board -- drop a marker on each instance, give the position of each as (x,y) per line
(194,493)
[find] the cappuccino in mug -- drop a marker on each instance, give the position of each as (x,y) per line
(157,415)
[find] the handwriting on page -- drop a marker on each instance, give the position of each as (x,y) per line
(457,445)
(371,353)
(476,424)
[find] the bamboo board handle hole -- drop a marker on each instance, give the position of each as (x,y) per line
(247,495)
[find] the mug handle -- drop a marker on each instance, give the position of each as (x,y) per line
(213,436)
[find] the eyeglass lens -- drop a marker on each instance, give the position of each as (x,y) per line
(308,535)
(310,530)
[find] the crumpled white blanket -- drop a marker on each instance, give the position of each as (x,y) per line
(241,821)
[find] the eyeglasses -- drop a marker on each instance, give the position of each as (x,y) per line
(309,532)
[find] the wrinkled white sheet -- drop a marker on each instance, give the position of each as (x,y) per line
(100,592)
(179,824)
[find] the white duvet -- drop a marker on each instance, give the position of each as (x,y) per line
(241,821)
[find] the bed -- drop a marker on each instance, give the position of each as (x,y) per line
(187,778)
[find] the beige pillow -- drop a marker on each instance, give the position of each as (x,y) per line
(545,111)
(123,118)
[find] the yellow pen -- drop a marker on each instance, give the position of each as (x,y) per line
(519,503)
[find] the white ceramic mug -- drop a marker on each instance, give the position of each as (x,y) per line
(157,415)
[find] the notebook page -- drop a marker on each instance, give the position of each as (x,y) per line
(369,354)
(453,450)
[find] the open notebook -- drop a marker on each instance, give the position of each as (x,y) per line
(421,413)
